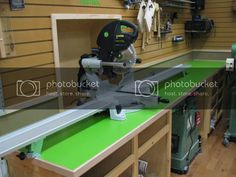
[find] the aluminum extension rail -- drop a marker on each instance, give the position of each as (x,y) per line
(39,130)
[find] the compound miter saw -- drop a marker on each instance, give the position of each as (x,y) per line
(114,57)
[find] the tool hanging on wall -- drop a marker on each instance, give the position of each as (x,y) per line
(199,24)
(149,14)
(140,17)
(157,20)
(149,20)
(17,4)
(141,23)
(130,3)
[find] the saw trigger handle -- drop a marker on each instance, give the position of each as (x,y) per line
(125,24)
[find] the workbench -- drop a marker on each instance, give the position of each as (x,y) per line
(99,146)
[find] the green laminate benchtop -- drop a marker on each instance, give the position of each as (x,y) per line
(77,144)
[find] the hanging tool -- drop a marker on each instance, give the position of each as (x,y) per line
(149,14)
(141,23)
(129,3)
(148,18)
(157,20)
(17,4)
(145,20)
(140,17)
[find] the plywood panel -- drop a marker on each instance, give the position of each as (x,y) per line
(33,48)
(163,57)
(30,23)
(31,35)
(28,168)
(27,61)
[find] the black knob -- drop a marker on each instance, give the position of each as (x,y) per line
(165,101)
(118,109)
(21,156)
(138,61)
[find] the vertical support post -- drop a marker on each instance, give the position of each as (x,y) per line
(168,152)
(135,152)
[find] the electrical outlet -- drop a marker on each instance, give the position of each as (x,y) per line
(230,64)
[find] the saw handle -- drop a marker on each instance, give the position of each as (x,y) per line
(134,34)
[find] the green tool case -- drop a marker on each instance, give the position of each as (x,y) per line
(230,135)
(186,143)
